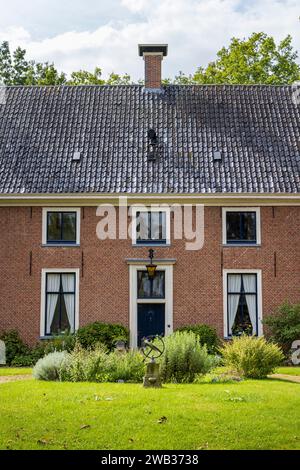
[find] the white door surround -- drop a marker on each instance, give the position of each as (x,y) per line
(134,301)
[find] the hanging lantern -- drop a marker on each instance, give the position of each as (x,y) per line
(151,268)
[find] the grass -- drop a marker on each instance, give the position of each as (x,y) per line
(245,415)
(5,371)
(288,370)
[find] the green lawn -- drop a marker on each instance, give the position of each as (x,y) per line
(245,415)
(288,370)
(5,371)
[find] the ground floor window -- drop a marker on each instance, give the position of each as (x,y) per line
(242,304)
(59,302)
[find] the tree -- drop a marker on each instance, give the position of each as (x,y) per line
(16,70)
(256,60)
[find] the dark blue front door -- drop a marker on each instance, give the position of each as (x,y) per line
(151,320)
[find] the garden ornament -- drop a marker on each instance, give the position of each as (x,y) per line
(152,351)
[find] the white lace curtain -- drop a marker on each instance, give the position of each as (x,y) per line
(234,285)
(68,283)
(53,281)
(249,281)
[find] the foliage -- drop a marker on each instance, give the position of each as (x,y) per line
(206,335)
(285,325)
(97,365)
(256,60)
(105,333)
(184,358)
(252,357)
(14,345)
(48,367)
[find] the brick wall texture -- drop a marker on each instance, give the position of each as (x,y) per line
(104,281)
(153,71)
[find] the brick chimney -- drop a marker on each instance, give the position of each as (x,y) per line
(153,55)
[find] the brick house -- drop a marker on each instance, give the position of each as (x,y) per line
(64,151)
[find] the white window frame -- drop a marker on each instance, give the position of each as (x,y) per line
(135,209)
(241,209)
(60,209)
(258,272)
(133,300)
(46,271)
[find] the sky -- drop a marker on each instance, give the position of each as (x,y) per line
(84,34)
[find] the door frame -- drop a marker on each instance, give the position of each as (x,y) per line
(133,300)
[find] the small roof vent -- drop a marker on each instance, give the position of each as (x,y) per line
(217,155)
(76,157)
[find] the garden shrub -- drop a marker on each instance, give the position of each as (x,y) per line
(284,326)
(96,365)
(107,334)
(184,358)
(14,346)
(252,357)
(48,367)
(207,336)
(128,367)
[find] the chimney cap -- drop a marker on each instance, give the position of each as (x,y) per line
(153,49)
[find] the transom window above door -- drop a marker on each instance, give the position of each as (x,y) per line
(151,227)
(61,226)
(241,226)
(150,288)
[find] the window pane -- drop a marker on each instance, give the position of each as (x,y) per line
(53,282)
(241,227)
(69,226)
(68,282)
(151,226)
(249,226)
(151,289)
(142,227)
(233,225)
(54,226)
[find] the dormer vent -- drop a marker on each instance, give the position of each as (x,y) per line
(76,156)
(217,155)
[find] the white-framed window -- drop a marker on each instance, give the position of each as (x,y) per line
(241,226)
(59,301)
(242,302)
(61,226)
(150,226)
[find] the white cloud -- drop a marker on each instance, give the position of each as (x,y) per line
(194,29)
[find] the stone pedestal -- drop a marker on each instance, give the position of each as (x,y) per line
(152,377)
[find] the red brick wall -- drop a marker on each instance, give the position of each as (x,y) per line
(153,71)
(104,286)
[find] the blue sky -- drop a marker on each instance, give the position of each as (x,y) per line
(85,34)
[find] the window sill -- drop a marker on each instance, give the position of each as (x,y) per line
(239,245)
(60,245)
(143,245)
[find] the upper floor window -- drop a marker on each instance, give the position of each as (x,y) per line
(61,226)
(241,226)
(151,227)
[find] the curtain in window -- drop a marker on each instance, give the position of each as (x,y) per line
(53,281)
(142,225)
(234,285)
(68,283)
(249,281)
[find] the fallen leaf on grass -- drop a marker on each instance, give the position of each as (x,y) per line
(85,426)
(43,441)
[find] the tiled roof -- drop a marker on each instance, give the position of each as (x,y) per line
(256,129)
